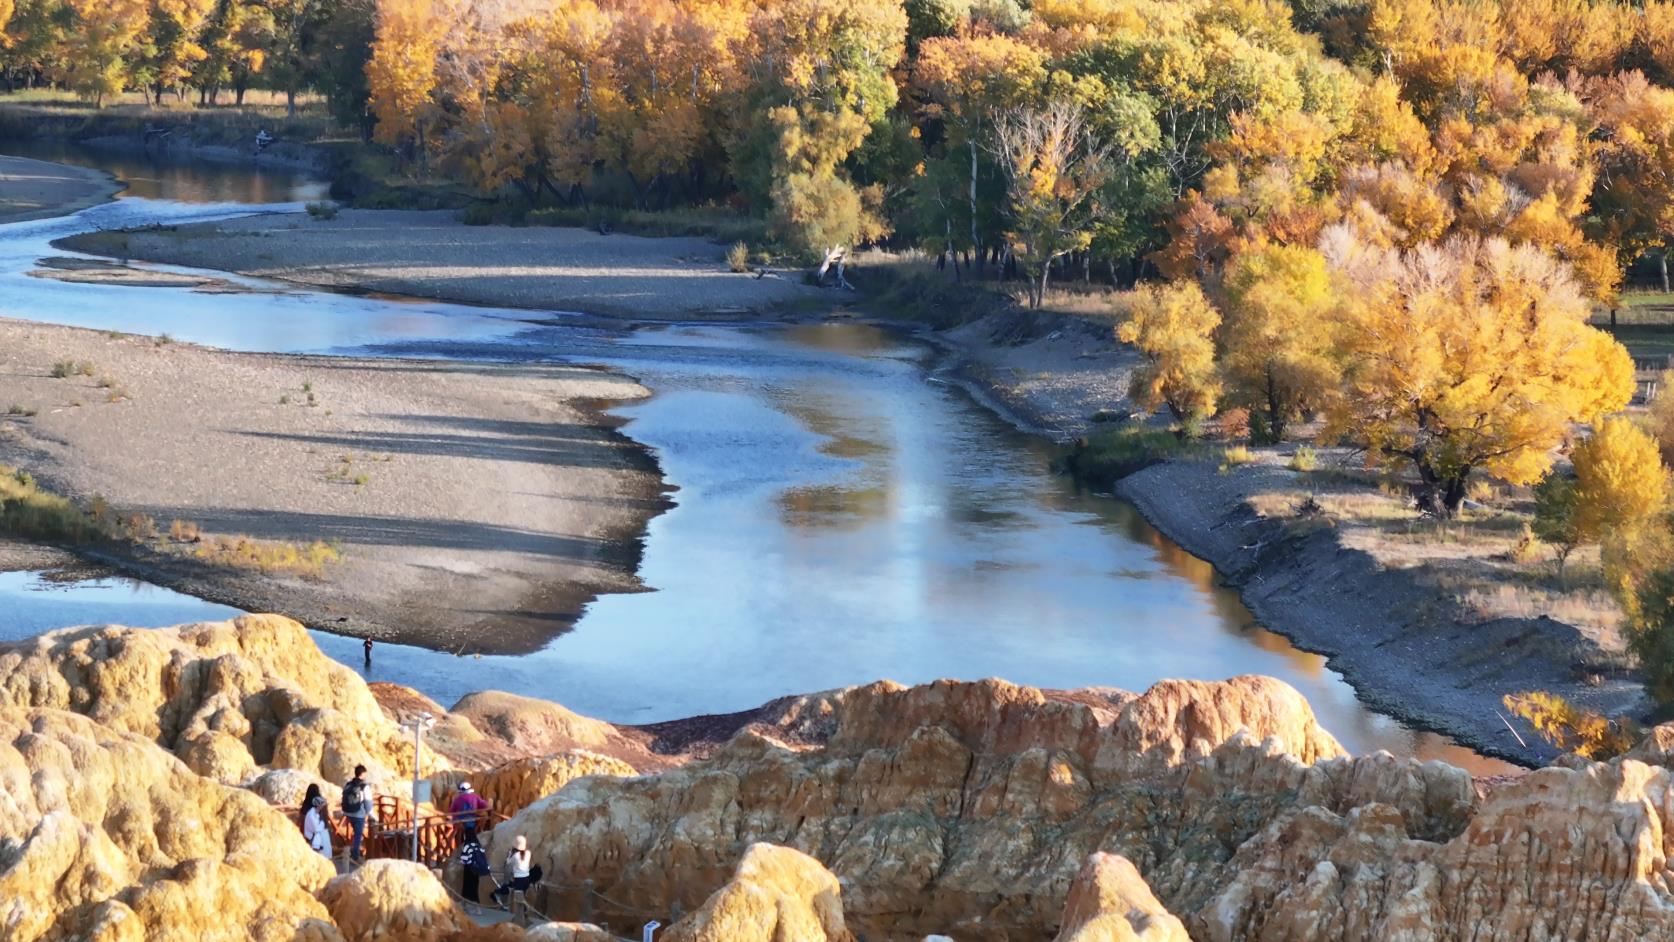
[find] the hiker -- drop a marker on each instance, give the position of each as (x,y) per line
(519,874)
(315,829)
(467,809)
(308,797)
(357,807)
(367,644)
(473,866)
(262,140)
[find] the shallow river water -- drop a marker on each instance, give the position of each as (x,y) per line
(841,514)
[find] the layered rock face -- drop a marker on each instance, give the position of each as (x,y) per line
(515,785)
(226,697)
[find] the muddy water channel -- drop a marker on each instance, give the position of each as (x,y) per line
(841,514)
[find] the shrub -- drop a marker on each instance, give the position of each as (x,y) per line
(139,528)
(184,531)
(27,511)
(322,210)
(1304,459)
(1235,422)
(738,257)
(1527,548)
(67,368)
(1107,457)
(268,556)
(15,409)
(1235,456)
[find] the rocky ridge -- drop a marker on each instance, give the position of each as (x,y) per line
(972,811)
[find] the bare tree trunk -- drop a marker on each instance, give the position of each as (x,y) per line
(974,239)
(1662,259)
(837,255)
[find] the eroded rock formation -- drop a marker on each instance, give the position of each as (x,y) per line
(517,784)
(226,697)
(1109,902)
(776,894)
(105,836)
(978,811)
(969,808)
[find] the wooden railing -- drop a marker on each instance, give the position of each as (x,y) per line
(390,834)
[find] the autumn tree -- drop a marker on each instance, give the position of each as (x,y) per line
(1054,167)
(1633,147)
(1472,354)
(169,48)
(1278,349)
(402,71)
(97,44)
(1556,522)
(822,80)
(1621,484)
(234,40)
(1174,325)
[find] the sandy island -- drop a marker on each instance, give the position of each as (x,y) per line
(477,506)
(433,255)
(34,189)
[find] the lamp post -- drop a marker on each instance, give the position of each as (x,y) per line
(421,722)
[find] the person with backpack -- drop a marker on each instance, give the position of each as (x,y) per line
(473,866)
(357,806)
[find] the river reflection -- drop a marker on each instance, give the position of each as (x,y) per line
(840,517)
(188,181)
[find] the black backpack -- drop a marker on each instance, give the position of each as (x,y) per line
(354,797)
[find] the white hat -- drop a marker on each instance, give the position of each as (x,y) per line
(464,786)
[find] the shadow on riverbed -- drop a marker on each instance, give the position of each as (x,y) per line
(560,445)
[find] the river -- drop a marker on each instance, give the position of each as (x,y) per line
(841,514)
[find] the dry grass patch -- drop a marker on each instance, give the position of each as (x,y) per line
(272,557)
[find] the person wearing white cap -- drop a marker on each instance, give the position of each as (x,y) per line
(467,810)
(517,870)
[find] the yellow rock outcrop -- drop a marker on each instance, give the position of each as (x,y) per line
(226,697)
(776,894)
(393,899)
(968,808)
(105,836)
(1110,902)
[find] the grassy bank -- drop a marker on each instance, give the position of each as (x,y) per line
(30,512)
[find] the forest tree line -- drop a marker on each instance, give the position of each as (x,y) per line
(215,50)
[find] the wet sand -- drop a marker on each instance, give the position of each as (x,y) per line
(478,507)
(35,189)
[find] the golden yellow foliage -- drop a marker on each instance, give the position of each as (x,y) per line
(1472,354)
(1174,326)
(1278,348)
(1621,484)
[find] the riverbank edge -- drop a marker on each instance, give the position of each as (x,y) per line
(189,135)
(96,187)
(961,361)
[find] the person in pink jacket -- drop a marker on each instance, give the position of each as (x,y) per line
(467,810)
